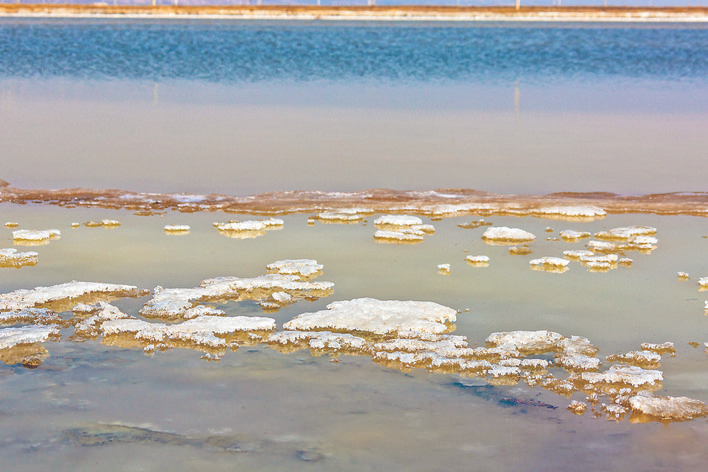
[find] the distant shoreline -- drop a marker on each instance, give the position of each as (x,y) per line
(358,13)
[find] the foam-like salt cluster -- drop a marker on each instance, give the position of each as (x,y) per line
(11,257)
(377,316)
(177,228)
(305,269)
(21,299)
(173,303)
(11,337)
(668,408)
(506,235)
(571,236)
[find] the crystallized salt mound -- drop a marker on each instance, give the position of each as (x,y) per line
(683,275)
(477,260)
(344,215)
(21,299)
(10,337)
(201,330)
(668,408)
(36,316)
(377,316)
(646,359)
(100,312)
(305,268)
(549,262)
(177,228)
(573,213)
(526,341)
(570,235)
(628,375)
(444,269)
(172,303)
(397,220)
(664,348)
(248,229)
(505,235)
(13,258)
(577,254)
(35,235)
(319,340)
(703,282)
(625,233)
(404,236)
(577,362)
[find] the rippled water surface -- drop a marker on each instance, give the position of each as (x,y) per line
(248,107)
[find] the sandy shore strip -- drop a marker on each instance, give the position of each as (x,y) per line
(358,13)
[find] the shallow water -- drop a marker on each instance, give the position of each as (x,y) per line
(628,129)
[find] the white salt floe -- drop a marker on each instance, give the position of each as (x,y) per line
(625,261)
(577,362)
(597,261)
(377,316)
(35,235)
(101,312)
(103,223)
(75,224)
(577,253)
(532,341)
(668,408)
(344,215)
(403,235)
(625,233)
(11,257)
(248,229)
(577,407)
(552,262)
(577,345)
(398,220)
(321,340)
(703,282)
(629,375)
(570,235)
(503,371)
(649,359)
(202,310)
(503,234)
(477,261)
(667,347)
(683,275)
(172,303)
(520,250)
(36,316)
(12,224)
(201,330)
(570,212)
(10,337)
(444,269)
(447,346)
(20,299)
(602,246)
(305,268)
(177,228)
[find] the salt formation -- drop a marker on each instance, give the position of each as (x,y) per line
(377,316)
(402,236)
(444,269)
(570,213)
(289,341)
(203,332)
(667,408)
(94,316)
(35,316)
(474,224)
(40,296)
(703,282)
(11,337)
(248,229)
(625,375)
(520,250)
(102,223)
(550,264)
(625,233)
(11,257)
(572,236)
(272,290)
(12,224)
(505,235)
(646,359)
(344,215)
(305,269)
(577,254)
(401,229)
(30,237)
(664,348)
(477,261)
(176,229)
(683,275)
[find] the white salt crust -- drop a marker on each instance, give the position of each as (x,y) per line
(668,408)
(703,282)
(625,233)
(620,374)
(177,228)
(403,235)
(638,358)
(20,299)
(11,337)
(577,253)
(100,312)
(477,260)
(444,268)
(507,235)
(570,235)
(248,229)
(377,316)
(35,235)
(683,275)
(398,220)
(580,212)
(555,262)
(12,257)
(304,268)
(35,316)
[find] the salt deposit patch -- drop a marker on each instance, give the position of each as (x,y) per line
(645,359)
(570,213)
(35,316)
(625,233)
(106,223)
(21,299)
(377,316)
(477,261)
(571,236)
(248,229)
(403,236)
(667,408)
(177,229)
(12,224)
(344,215)
(31,237)
(289,341)
(397,221)
(625,375)
(577,254)
(506,235)
(11,337)
(550,264)
(11,257)
(305,269)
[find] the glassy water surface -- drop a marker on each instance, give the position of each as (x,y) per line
(249,107)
